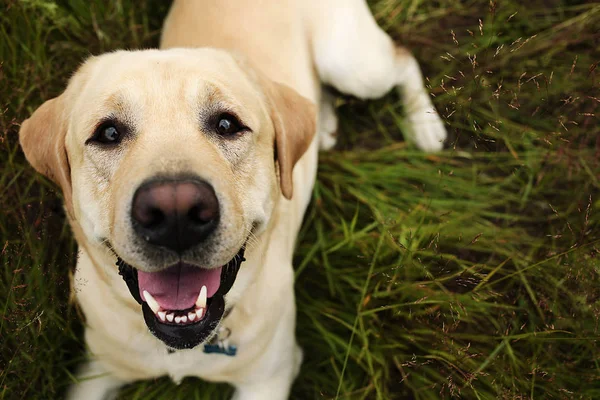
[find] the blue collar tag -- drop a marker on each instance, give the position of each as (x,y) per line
(220,344)
(219,349)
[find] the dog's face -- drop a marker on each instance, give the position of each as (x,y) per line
(173,159)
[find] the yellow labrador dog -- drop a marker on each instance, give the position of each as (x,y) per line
(186,172)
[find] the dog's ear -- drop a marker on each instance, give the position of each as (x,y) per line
(42,138)
(295,119)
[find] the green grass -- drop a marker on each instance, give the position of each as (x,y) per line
(473,273)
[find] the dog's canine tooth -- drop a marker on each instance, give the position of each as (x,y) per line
(170,317)
(162,315)
(177,319)
(192,316)
(200,313)
(201,302)
(153,304)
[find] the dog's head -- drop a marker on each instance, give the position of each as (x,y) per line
(172,159)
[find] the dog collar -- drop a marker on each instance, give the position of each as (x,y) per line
(219,344)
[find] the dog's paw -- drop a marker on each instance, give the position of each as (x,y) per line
(328,122)
(426,130)
(327,140)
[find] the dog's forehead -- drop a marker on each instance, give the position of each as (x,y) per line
(165,77)
(168,65)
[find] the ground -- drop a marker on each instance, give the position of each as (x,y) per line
(472,273)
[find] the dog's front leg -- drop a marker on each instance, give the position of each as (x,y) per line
(276,358)
(94,383)
(278,385)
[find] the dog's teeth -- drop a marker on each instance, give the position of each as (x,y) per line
(177,319)
(162,315)
(200,313)
(170,317)
(192,316)
(184,319)
(151,302)
(201,302)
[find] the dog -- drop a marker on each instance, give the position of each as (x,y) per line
(186,172)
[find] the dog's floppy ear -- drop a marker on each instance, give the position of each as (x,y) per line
(42,139)
(295,119)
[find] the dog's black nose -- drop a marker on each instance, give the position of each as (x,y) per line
(175,214)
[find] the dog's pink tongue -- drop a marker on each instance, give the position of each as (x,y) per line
(177,288)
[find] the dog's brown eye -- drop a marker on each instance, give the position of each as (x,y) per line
(107,134)
(228,125)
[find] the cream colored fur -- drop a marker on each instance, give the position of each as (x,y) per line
(300,43)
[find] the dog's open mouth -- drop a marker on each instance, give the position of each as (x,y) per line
(182,304)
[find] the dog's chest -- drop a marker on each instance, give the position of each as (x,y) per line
(182,363)
(207,361)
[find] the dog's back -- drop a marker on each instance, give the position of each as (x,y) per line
(269,33)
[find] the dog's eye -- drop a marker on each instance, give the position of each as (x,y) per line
(107,134)
(228,125)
